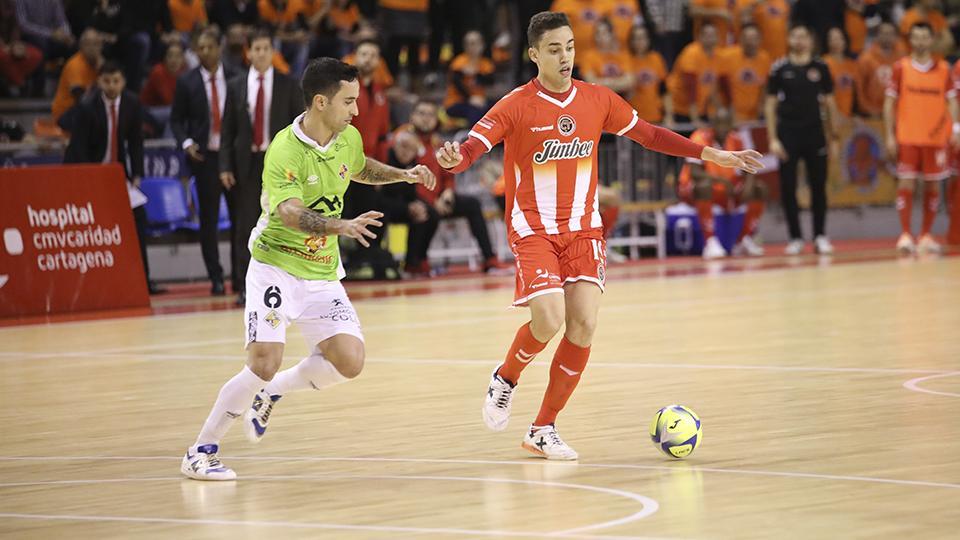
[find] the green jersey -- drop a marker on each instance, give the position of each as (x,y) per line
(297,167)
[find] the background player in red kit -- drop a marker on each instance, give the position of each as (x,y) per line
(550,128)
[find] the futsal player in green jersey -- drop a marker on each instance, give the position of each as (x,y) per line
(295,270)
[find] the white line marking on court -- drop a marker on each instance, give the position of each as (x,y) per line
(474,361)
(648,506)
(914,384)
(613,466)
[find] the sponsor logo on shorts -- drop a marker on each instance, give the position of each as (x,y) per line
(340,311)
(252,326)
(543,279)
(272,318)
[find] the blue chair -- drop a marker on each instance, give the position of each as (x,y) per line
(166,205)
(223,220)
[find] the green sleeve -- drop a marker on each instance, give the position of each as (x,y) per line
(281,177)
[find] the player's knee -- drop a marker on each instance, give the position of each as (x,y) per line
(546,323)
(348,359)
(264,362)
(580,327)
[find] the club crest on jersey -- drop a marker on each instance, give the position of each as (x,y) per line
(315,243)
(813,74)
(272,318)
(566,125)
(553,149)
(343,171)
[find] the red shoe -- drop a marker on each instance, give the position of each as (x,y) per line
(494,267)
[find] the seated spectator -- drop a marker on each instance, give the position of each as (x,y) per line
(333,25)
(704,185)
(381,74)
(79,73)
(44,25)
(18,60)
(874,68)
(855,24)
(927,11)
(584,15)
(162,81)
(649,79)
(470,78)
(843,69)
(187,15)
(693,82)
(226,13)
(288,20)
(444,200)
(772,18)
(127,29)
(743,78)
(405,25)
(716,13)
(400,204)
(606,63)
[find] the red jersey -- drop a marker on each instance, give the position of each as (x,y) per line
(550,153)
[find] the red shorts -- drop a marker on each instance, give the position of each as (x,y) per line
(545,263)
(922,163)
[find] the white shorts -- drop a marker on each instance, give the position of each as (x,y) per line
(275,299)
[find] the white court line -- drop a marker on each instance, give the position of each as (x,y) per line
(473,362)
(613,466)
(914,384)
(648,506)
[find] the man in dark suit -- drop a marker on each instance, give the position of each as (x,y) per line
(198,128)
(260,103)
(106,129)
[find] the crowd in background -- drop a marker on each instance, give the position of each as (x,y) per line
(428,69)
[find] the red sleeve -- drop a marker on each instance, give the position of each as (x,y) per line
(893,89)
(471,150)
(663,140)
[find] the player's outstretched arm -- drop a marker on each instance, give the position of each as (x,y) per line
(747,161)
(295,215)
(378,174)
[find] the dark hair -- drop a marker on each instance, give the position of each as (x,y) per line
(110,67)
(922,25)
(323,76)
(425,101)
(634,28)
(260,33)
(543,22)
(368,41)
(801,26)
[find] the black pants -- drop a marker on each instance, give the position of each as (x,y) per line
(140,221)
(209,189)
(246,199)
(469,207)
(811,147)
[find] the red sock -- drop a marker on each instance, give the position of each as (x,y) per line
(565,372)
(523,350)
(953,235)
(931,202)
(609,218)
(752,217)
(905,207)
(705,212)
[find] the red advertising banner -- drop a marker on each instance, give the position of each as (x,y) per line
(68,241)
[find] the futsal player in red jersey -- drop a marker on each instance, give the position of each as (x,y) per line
(551,128)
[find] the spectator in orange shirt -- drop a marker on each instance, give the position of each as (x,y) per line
(373,120)
(650,75)
(715,12)
(288,19)
(469,80)
(158,92)
(744,74)
(693,83)
(926,11)
(332,25)
(606,63)
(79,73)
(843,69)
(772,17)
(381,75)
(874,69)
(187,15)
(855,25)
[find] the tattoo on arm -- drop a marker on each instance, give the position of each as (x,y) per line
(313,222)
(376,174)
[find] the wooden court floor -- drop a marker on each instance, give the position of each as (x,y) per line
(829,393)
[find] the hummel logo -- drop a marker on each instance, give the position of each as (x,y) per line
(233,414)
(536,129)
(568,371)
(524,357)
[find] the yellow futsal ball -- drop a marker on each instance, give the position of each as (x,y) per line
(676,431)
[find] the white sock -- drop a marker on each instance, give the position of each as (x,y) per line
(314,371)
(235,396)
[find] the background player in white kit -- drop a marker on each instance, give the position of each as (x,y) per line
(295,270)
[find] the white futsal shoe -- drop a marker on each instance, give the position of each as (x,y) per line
(927,244)
(794,247)
(713,249)
(905,244)
(258,415)
(496,403)
(822,245)
(747,247)
(202,463)
(545,442)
